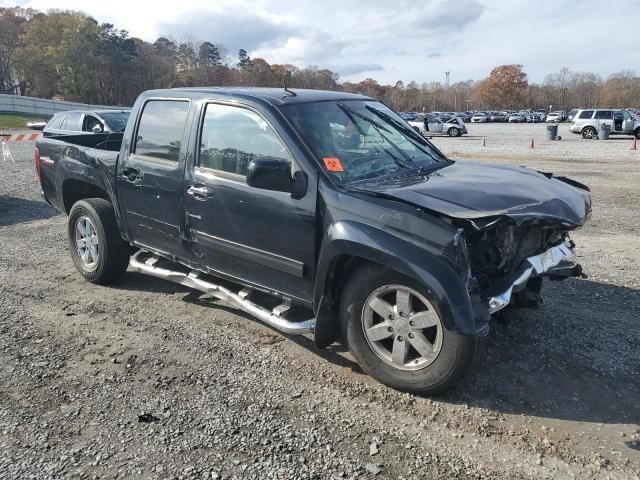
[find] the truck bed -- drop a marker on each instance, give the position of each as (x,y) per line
(83,158)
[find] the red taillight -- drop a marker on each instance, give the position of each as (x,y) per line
(36,161)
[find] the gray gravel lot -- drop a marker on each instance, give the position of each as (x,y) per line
(146,379)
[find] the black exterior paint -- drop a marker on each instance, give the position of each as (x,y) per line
(293,247)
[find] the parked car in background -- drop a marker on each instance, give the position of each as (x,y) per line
(587,122)
(498,117)
(554,117)
(408,115)
(515,118)
(429,124)
(466,116)
(535,117)
(542,113)
(480,118)
(80,122)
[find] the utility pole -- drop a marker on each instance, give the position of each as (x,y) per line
(446,89)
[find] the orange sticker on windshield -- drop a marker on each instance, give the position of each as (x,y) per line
(333,164)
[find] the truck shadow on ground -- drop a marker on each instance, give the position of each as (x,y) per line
(575,358)
(15,210)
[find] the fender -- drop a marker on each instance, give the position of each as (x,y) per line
(97,169)
(447,280)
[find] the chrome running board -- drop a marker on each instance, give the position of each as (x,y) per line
(191,279)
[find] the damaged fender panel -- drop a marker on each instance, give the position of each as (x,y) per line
(404,238)
(449,286)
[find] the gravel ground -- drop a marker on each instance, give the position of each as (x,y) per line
(146,379)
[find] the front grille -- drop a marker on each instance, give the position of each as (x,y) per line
(501,250)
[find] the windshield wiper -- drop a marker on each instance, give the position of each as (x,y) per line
(350,111)
(410,132)
(403,163)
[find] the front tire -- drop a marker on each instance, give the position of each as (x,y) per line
(454,132)
(394,329)
(97,250)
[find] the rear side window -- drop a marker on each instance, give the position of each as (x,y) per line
(604,114)
(73,122)
(586,114)
(161,128)
(233,136)
(56,122)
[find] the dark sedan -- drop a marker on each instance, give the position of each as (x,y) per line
(77,122)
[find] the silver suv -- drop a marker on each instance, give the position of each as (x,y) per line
(587,122)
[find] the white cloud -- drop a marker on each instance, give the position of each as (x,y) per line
(392,40)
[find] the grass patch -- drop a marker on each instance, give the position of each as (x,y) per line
(18,120)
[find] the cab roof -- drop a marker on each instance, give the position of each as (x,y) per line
(274,96)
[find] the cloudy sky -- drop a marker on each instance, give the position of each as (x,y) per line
(393,40)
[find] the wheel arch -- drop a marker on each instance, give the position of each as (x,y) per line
(74,190)
(359,244)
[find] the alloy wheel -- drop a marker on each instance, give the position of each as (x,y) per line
(87,244)
(402,327)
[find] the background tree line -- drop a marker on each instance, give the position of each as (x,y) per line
(69,54)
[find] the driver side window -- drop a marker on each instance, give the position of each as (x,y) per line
(233,136)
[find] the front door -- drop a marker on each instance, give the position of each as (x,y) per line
(629,123)
(150,178)
(255,236)
(434,124)
(618,121)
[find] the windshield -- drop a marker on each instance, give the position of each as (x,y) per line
(116,121)
(362,140)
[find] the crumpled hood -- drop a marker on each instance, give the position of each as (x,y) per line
(474,190)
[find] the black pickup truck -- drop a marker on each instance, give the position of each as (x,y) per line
(319,212)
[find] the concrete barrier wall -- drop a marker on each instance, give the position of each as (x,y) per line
(41,106)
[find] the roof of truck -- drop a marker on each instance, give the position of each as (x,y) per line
(274,96)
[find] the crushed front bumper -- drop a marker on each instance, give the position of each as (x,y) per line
(534,266)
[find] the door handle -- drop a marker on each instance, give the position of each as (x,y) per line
(132,175)
(199,192)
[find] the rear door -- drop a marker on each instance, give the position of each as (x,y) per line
(150,177)
(258,237)
(605,117)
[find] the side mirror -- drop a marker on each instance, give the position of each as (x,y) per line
(97,129)
(276,175)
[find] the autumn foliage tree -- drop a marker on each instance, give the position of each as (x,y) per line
(69,54)
(505,87)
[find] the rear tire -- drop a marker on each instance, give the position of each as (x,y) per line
(588,133)
(637,133)
(452,358)
(97,250)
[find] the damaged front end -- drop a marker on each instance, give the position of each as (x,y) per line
(507,261)
(513,226)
